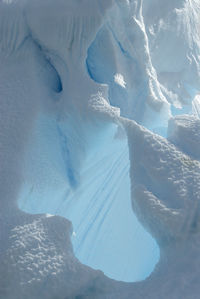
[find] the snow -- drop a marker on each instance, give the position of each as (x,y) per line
(183,131)
(165,196)
(99,149)
(119,79)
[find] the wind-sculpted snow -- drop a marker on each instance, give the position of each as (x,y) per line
(167,184)
(165,196)
(85,85)
(39,261)
(183,131)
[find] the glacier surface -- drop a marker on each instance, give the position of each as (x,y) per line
(99,149)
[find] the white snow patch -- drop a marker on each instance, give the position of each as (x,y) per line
(119,79)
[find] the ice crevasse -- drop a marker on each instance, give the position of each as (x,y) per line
(99,149)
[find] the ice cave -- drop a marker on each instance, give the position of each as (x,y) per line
(99,149)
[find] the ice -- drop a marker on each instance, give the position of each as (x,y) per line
(94,199)
(99,149)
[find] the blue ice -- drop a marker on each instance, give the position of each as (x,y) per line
(107,234)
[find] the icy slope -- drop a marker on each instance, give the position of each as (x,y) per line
(78,79)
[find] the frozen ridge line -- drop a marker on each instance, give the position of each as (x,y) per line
(62,114)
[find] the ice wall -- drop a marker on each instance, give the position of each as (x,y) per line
(84,87)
